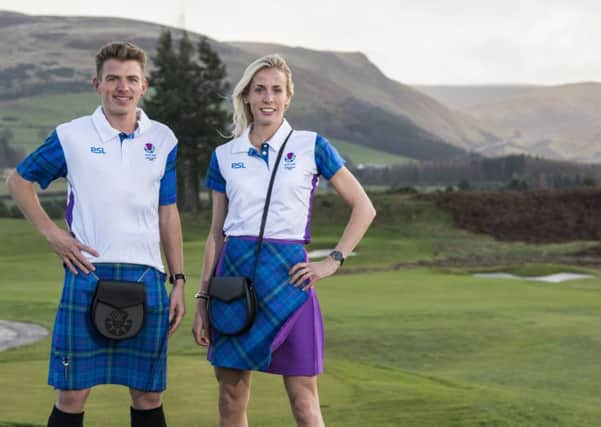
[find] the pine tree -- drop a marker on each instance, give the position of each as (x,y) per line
(212,76)
(187,94)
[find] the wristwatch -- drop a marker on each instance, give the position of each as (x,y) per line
(337,256)
(177,276)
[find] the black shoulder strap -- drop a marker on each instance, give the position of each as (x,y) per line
(267,201)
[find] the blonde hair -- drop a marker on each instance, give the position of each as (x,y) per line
(242,115)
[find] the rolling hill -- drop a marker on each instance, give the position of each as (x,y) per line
(342,95)
(559,122)
(461,97)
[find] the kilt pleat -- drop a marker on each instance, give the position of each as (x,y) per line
(81,358)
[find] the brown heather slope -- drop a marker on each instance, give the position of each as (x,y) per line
(342,94)
(544,216)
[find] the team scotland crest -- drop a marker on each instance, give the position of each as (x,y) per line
(290,161)
(149,151)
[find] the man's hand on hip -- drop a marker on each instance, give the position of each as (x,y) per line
(70,250)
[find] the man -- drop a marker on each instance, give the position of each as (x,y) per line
(120,168)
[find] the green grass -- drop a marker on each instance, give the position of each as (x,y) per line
(414,347)
(360,154)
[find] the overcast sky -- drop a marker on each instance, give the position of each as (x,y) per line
(430,41)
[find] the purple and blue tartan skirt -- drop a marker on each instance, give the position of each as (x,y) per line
(81,358)
(287,337)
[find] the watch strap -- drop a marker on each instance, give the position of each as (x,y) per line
(177,276)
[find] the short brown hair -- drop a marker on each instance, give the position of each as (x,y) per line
(122,51)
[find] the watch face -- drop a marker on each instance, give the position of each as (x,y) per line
(337,256)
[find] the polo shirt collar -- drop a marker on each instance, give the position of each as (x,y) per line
(242,144)
(106,131)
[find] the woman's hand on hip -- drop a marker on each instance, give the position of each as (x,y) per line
(305,274)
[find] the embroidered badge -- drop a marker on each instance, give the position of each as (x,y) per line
(290,161)
(149,151)
(117,323)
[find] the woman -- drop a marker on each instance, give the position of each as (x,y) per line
(290,344)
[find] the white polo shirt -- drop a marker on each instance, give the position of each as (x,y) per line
(115,184)
(243,174)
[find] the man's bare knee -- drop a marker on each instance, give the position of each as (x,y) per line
(144,400)
(72,401)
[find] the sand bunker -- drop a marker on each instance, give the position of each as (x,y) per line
(551,278)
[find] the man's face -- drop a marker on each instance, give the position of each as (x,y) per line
(120,86)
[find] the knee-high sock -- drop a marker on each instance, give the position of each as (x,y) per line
(59,418)
(148,417)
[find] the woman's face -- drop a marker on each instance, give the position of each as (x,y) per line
(268,97)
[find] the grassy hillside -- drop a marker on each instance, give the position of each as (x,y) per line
(339,92)
(360,154)
(32,119)
(362,81)
(415,347)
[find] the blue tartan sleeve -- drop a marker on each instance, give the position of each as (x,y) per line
(46,163)
(168,190)
(214,180)
(327,159)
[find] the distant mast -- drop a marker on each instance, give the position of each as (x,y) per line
(181,19)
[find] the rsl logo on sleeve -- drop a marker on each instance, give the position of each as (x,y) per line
(149,151)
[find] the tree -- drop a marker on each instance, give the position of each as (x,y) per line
(188,89)
(9,156)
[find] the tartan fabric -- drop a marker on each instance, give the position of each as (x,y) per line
(46,163)
(214,179)
(80,357)
(229,317)
(277,300)
(327,159)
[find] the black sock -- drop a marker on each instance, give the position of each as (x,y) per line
(59,418)
(148,417)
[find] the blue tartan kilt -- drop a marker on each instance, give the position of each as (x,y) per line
(277,299)
(81,358)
